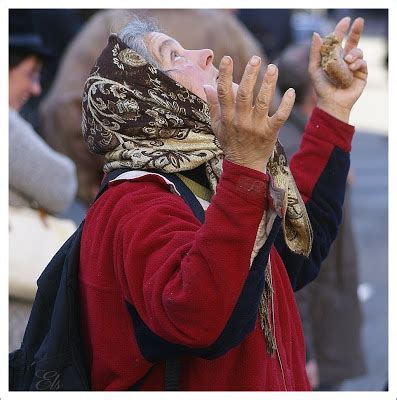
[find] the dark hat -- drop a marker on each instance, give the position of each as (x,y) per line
(23,38)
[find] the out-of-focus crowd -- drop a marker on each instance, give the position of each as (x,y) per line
(52,173)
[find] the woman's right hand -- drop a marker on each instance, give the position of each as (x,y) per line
(246,132)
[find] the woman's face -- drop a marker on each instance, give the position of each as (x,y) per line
(24,82)
(191,68)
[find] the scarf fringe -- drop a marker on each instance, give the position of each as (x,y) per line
(265,312)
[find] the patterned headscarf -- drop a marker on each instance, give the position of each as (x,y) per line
(141,118)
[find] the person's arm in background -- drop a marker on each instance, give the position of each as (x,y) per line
(65,123)
(303,299)
(36,171)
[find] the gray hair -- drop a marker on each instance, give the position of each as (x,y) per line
(133,35)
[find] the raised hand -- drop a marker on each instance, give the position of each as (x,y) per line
(337,101)
(246,132)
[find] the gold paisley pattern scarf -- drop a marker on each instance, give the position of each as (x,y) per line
(140,118)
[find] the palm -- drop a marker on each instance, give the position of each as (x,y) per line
(344,98)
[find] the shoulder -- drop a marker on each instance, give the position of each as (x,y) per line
(16,122)
(136,196)
(21,132)
(141,206)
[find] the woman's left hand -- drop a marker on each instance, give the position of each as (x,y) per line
(337,101)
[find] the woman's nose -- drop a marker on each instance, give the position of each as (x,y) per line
(206,57)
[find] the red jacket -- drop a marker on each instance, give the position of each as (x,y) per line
(155,282)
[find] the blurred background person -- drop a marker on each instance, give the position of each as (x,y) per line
(271,27)
(56,27)
(39,177)
(329,306)
(60,112)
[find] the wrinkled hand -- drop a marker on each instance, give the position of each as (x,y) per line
(337,101)
(246,132)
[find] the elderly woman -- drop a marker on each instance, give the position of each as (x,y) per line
(160,287)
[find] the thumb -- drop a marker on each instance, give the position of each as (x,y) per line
(315,55)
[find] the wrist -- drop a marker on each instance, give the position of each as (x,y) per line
(338,112)
(259,166)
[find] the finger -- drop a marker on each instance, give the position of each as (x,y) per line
(283,111)
(224,88)
(245,91)
(354,55)
(358,65)
(354,35)
(212,101)
(266,92)
(361,71)
(341,28)
(315,55)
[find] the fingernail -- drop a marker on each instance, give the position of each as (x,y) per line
(226,60)
(349,58)
(271,69)
(255,60)
(291,92)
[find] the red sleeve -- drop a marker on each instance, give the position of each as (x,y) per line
(320,169)
(184,278)
(322,134)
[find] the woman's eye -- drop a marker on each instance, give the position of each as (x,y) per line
(175,55)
